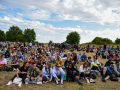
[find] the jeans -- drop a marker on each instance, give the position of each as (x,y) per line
(31,81)
(96,68)
(61,76)
(50,61)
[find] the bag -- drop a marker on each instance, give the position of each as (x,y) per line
(64,77)
(93,75)
(113,77)
(17,80)
(8,69)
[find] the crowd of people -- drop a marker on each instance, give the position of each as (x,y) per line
(46,64)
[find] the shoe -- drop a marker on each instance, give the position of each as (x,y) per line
(80,83)
(103,79)
(19,85)
(44,82)
(61,84)
(26,82)
(9,83)
(92,81)
(39,83)
(87,81)
(57,83)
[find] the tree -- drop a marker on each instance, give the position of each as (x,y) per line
(2,35)
(100,40)
(20,38)
(13,32)
(117,41)
(29,35)
(73,38)
(97,40)
(50,42)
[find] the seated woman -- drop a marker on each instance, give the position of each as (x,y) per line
(73,74)
(7,54)
(84,72)
(98,54)
(109,62)
(15,63)
(13,53)
(115,57)
(30,59)
(39,63)
(75,58)
(52,58)
(3,62)
(22,75)
(44,58)
(47,73)
(67,62)
(59,61)
(58,74)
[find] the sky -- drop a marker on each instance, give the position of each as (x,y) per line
(55,19)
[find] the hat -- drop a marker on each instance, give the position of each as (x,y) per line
(57,65)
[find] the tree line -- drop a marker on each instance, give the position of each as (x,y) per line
(16,34)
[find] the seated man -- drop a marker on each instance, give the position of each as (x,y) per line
(24,57)
(83,57)
(79,56)
(107,72)
(19,54)
(117,68)
(15,63)
(58,74)
(33,75)
(109,62)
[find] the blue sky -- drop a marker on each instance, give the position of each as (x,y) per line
(54,19)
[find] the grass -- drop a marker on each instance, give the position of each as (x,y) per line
(99,85)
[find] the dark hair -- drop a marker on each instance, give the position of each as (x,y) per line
(116,62)
(33,63)
(89,57)
(72,65)
(95,57)
(24,64)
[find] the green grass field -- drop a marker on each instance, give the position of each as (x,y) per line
(99,85)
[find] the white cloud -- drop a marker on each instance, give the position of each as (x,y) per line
(99,11)
(57,34)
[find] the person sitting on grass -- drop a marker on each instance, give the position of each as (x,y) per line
(73,74)
(33,75)
(19,54)
(22,75)
(15,63)
(39,63)
(109,62)
(117,68)
(47,73)
(115,57)
(83,57)
(24,57)
(67,62)
(79,56)
(89,61)
(84,72)
(96,66)
(58,74)
(59,61)
(107,72)
(7,54)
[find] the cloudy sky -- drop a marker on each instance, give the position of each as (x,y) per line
(54,19)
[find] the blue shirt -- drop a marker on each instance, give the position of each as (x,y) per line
(79,56)
(118,69)
(24,57)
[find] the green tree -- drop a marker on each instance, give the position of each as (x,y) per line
(97,40)
(29,35)
(20,38)
(73,38)
(117,41)
(2,35)
(50,42)
(13,32)
(100,40)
